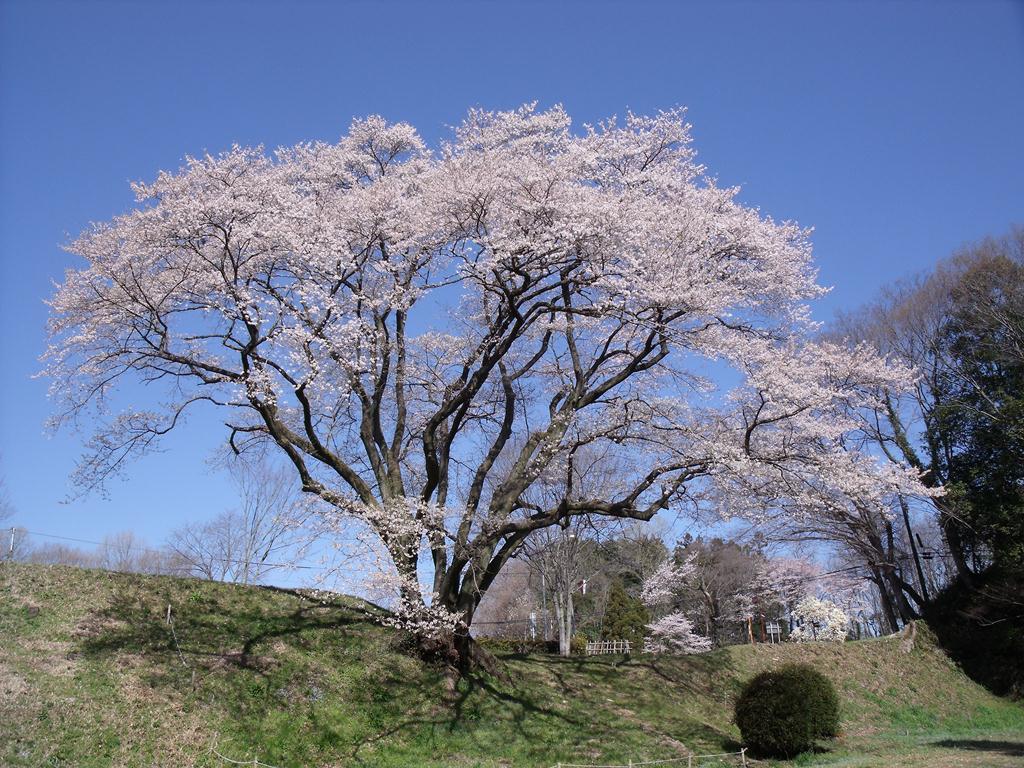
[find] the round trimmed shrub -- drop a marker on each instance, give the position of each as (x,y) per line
(784,711)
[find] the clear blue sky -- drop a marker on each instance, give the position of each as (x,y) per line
(895,129)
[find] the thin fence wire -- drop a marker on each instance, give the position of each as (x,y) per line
(174,637)
(254,762)
(691,761)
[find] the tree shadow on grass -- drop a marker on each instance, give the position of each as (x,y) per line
(225,632)
(699,674)
(1010,748)
(473,701)
(219,629)
(628,682)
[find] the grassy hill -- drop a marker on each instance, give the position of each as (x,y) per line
(90,675)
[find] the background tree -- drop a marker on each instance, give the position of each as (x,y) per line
(6,507)
(14,539)
(50,553)
(716,593)
(961,327)
(515,606)
(866,535)
(675,633)
(820,620)
(625,618)
(389,319)
(244,545)
(979,419)
(560,558)
(120,552)
(672,630)
(633,553)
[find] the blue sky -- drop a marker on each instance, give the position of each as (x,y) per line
(894,129)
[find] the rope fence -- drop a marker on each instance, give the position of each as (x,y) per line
(174,636)
(254,762)
(691,761)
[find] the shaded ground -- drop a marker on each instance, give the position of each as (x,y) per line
(90,675)
(982,627)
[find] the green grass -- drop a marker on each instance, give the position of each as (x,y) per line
(89,676)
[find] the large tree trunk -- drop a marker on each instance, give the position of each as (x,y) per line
(953,535)
(896,583)
(459,653)
(906,610)
(885,599)
(564,610)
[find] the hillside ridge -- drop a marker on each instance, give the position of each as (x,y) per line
(92,674)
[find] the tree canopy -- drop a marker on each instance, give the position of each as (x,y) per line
(427,337)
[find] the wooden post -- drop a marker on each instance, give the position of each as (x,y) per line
(168,613)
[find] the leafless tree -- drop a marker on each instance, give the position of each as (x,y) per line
(121,552)
(60,554)
(243,545)
(559,558)
(14,538)
(6,508)
(513,606)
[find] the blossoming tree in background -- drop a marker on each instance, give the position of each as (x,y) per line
(424,335)
(819,620)
(672,631)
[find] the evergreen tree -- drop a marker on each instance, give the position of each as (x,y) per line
(625,618)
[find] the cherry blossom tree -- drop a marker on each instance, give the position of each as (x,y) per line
(402,323)
(820,620)
(783,583)
(672,631)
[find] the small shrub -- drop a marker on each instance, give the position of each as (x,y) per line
(785,711)
(578,645)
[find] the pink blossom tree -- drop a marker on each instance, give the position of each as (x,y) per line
(424,335)
(672,631)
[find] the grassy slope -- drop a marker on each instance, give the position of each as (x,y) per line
(89,676)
